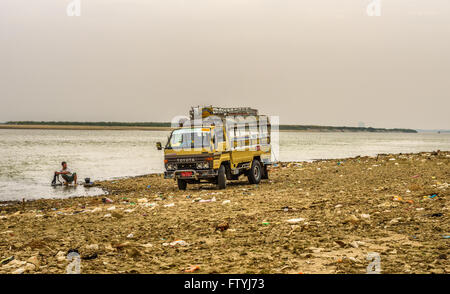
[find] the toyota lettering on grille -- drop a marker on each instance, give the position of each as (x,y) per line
(185,160)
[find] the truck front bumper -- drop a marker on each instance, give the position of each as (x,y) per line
(195,174)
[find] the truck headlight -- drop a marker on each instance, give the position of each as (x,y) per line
(171,166)
(202,165)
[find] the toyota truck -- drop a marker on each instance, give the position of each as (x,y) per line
(218,145)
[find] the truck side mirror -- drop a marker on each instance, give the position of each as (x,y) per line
(158,146)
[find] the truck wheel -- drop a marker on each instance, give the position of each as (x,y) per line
(182,184)
(265,173)
(222,178)
(254,174)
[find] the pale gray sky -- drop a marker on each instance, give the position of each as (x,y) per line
(310,62)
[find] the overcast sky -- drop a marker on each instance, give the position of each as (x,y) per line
(310,62)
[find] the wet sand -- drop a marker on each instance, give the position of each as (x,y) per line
(340,210)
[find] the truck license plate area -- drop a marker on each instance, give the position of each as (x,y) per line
(186,174)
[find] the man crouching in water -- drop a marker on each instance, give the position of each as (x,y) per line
(67,175)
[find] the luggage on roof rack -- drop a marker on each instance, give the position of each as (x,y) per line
(205,111)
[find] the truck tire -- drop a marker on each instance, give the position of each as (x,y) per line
(254,174)
(222,178)
(265,173)
(182,184)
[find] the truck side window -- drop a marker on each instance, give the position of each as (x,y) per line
(219,135)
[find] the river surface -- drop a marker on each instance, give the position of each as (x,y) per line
(28,158)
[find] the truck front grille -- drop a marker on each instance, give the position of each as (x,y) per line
(186,166)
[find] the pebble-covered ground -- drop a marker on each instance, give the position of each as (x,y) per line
(318,217)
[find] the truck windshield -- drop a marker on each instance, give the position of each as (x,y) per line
(190,138)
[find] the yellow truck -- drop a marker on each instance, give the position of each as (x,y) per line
(217,145)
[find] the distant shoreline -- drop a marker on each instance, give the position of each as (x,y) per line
(156,126)
(83,127)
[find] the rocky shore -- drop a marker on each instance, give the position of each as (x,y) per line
(319,217)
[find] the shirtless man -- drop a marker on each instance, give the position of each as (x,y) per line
(67,175)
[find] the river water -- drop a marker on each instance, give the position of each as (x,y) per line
(28,158)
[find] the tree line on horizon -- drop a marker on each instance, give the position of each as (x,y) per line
(168,124)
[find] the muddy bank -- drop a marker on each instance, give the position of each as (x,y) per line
(318,217)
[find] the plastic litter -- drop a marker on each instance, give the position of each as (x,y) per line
(7,260)
(207,200)
(191,269)
(153,204)
(177,242)
(107,200)
(397,198)
(295,220)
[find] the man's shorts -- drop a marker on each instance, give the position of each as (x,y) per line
(69,179)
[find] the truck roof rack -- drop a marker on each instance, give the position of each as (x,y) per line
(205,111)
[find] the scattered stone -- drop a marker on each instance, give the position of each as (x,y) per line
(351,219)
(340,243)
(34,260)
(354,244)
(29,267)
(116,215)
(394,221)
(19,271)
(61,256)
(92,247)
(90,256)
(223,226)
